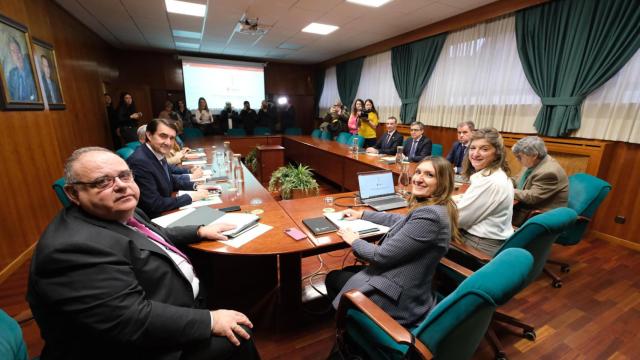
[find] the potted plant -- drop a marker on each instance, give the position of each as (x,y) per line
(293,182)
(252,160)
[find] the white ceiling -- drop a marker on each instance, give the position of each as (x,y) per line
(145,24)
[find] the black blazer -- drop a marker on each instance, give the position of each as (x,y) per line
(389,148)
(101,290)
(423,148)
(456,155)
(155,187)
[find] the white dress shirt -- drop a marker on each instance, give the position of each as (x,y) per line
(486,208)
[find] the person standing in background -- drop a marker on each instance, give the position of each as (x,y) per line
(128,118)
(248,118)
(203,117)
(112,118)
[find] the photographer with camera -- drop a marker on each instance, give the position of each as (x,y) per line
(367,123)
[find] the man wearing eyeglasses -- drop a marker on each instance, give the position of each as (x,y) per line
(153,174)
(105,283)
(417,147)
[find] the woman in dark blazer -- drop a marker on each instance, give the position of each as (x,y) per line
(402,265)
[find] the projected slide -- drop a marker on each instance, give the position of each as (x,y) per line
(219,81)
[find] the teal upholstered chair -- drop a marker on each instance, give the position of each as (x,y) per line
(125,152)
(261,130)
(343,138)
(236,132)
(536,235)
(316,133)
(191,133)
(58,187)
(293,131)
(325,135)
(360,141)
(12,346)
(436,150)
(452,330)
(586,193)
(179,142)
(134,144)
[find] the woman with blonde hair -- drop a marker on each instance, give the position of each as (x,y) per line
(486,207)
(402,264)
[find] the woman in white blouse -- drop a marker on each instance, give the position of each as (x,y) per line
(486,208)
(203,117)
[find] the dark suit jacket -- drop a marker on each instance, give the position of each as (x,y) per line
(398,277)
(454,156)
(155,187)
(392,146)
(52,93)
(101,290)
(423,148)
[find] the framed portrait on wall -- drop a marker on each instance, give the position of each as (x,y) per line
(47,70)
(20,89)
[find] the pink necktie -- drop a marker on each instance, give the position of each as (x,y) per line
(155,237)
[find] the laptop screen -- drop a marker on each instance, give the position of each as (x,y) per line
(376,183)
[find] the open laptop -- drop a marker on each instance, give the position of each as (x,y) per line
(377,191)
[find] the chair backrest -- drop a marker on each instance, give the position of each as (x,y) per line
(455,327)
(58,187)
(293,131)
(125,152)
(316,133)
(192,133)
(436,150)
(179,142)
(325,135)
(537,235)
(457,324)
(343,138)
(134,144)
(236,132)
(261,130)
(12,346)
(586,193)
(360,140)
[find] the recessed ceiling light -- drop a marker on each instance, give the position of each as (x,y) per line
(187,45)
(185,8)
(187,34)
(372,3)
(321,29)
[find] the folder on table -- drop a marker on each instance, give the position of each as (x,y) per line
(320,225)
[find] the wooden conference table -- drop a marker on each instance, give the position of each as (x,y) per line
(245,278)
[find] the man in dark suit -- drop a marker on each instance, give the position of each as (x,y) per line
(105,283)
(417,147)
(389,142)
(248,118)
(153,175)
(459,148)
(229,118)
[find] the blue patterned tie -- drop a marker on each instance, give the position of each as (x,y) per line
(413,149)
(165,166)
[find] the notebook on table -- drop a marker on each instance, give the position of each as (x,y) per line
(319,225)
(378,192)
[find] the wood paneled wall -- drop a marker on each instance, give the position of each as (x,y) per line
(35,143)
(621,168)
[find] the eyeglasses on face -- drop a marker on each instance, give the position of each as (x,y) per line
(106,181)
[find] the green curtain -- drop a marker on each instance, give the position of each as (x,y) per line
(568,48)
(348,78)
(412,65)
(319,88)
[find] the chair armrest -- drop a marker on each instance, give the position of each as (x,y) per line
(23,317)
(583,219)
(472,251)
(356,299)
(456,267)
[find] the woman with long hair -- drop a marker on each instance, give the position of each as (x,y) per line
(128,117)
(402,264)
(203,117)
(356,110)
(368,121)
(486,207)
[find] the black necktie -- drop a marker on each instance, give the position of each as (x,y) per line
(165,166)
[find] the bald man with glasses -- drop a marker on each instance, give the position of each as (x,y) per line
(106,283)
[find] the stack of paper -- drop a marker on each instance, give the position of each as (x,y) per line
(211,200)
